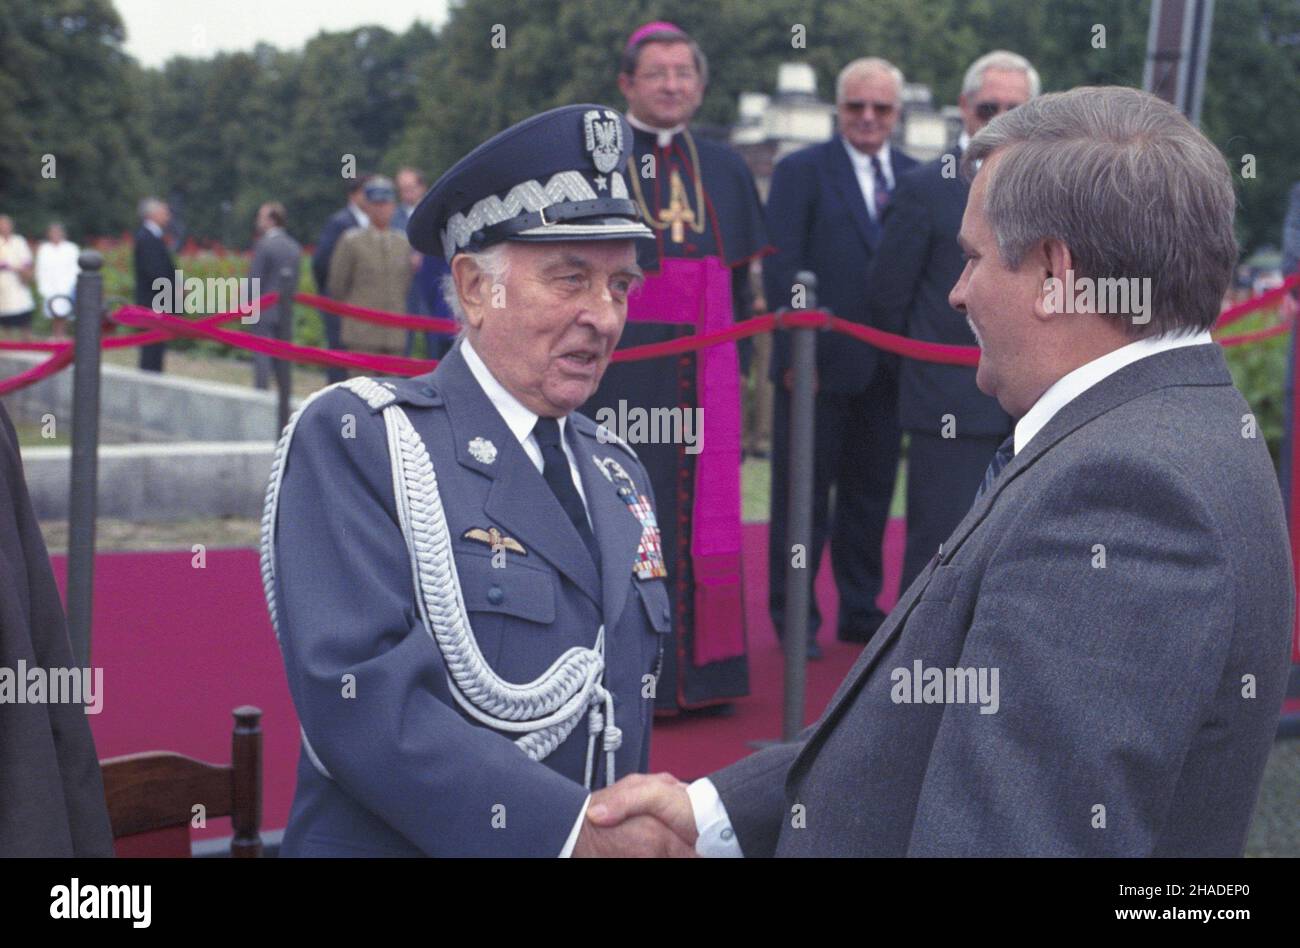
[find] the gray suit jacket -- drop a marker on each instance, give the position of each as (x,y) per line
(276,259)
(1138,694)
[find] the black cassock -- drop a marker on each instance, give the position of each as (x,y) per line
(700,199)
(51,793)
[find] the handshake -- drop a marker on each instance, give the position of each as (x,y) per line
(640,815)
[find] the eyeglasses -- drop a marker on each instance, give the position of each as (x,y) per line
(878,109)
(656,76)
(987,110)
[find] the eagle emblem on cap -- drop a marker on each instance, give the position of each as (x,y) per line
(604,138)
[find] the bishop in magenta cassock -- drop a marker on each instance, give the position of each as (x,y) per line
(699,198)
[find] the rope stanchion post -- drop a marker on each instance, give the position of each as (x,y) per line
(798,575)
(283,367)
(85,454)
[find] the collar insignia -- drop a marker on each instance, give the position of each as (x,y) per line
(483,450)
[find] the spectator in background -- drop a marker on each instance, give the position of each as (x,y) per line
(352,215)
(420,302)
(56,277)
(371,267)
(428,283)
(954,428)
(276,256)
(16,303)
(1290,309)
(825,212)
(153,262)
(1291,252)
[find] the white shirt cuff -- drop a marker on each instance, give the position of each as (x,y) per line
(572,841)
(717,839)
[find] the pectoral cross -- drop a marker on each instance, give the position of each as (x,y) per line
(678,212)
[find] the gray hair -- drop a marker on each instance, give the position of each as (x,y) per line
(1128,184)
(494,261)
(148,206)
(1000,59)
(867,65)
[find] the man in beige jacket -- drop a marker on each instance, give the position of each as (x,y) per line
(371,267)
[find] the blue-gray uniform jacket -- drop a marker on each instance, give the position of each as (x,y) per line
(409,772)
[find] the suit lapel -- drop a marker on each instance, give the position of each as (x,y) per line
(1191,365)
(519,498)
(887,632)
(617,529)
(845,179)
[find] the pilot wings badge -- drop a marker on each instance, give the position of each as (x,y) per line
(649,550)
(604,138)
(495,539)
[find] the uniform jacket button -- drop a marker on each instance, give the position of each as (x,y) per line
(496,596)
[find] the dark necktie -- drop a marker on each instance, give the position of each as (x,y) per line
(1006,451)
(882,186)
(559,477)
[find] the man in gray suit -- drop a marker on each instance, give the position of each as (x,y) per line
(275,265)
(1093,662)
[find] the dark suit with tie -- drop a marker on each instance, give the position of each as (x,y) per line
(1138,694)
(401,768)
(152,262)
(954,428)
(817,218)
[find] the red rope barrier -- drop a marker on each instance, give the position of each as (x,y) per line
(163,327)
(1246,307)
(55,363)
(378,316)
(1242,338)
(387,365)
(148,338)
(34,345)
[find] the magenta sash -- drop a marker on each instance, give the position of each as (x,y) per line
(698,292)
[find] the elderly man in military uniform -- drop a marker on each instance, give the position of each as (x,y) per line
(464,574)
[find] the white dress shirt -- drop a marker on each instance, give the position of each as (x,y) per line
(359,215)
(711,820)
(1073,384)
(521,421)
(867,175)
(153,228)
(664,135)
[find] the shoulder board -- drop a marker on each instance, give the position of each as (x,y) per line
(380,394)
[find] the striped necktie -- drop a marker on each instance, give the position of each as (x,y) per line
(882,186)
(1006,451)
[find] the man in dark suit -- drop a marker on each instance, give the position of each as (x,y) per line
(352,215)
(1095,662)
(954,429)
(824,214)
(153,262)
(428,271)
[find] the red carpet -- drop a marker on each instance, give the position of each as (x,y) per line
(181,647)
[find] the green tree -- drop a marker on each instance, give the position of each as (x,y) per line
(69,145)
